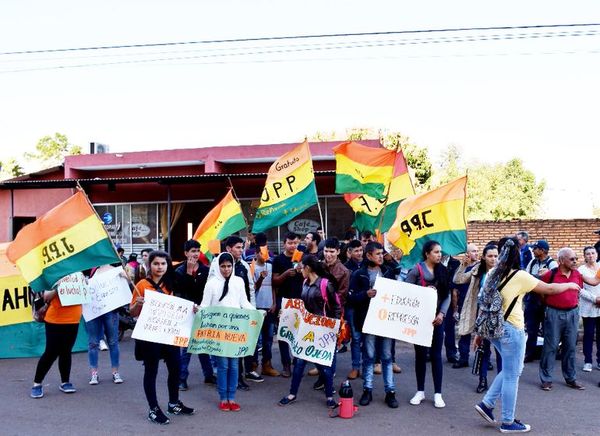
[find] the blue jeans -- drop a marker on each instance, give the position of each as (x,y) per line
(227,377)
(205,363)
(266,334)
(437,367)
(506,384)
(559,326)
(355,345)
(369,345)
(487,357)
(325,374)
(109,324)
(591,325)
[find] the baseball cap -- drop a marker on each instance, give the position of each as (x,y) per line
(543,244)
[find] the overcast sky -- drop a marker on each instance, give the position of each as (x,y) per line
(495,98)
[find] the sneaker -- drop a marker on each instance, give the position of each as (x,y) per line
(331,404)
(396,368)
(94,378)
(485,412)
(234,407)
(242,385)
(37,391)
(67,388)
(575,385)
(183,386)
(287,400)
(253,376)
(390,400)
(210,380)
(342,349)
(117,378)
(587,367)
(417,398)
(224,406)
(319,385)
(516,427)
(313,372)
(377,368)
(547,386)
(438,401)
(179,409)
(157,416)
(103,346)
(366,397)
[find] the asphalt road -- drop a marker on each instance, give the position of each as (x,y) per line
(122,409)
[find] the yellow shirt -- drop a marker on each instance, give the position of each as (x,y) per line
(521,283)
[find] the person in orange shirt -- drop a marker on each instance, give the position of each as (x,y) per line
(62,324)
(160,278)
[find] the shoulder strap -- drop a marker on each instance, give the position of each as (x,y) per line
(510,308)
(421,274)
(506,280)
(553,274)
(156,286)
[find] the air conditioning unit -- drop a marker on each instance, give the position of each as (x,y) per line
(97,148)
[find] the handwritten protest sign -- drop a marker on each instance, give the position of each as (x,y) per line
(225,332)
(311,337)
(402,311)
(73,289)
(164,319)
(108,291)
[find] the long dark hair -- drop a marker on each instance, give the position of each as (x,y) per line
(168,279)
(319,269)
(225,257)
(508,259)
(482,268)
(440,272)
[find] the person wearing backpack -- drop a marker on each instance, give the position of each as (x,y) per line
(534,306)
(505,327)
(317,283)
(431,273)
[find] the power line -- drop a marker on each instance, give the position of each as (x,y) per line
(300,37)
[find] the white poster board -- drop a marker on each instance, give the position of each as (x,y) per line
(311,337)
(164,319)
(109,290)
(73,289)
(402,311)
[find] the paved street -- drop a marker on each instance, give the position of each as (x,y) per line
(121,409)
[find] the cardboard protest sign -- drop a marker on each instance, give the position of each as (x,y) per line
(225,332)
(402,311)
(164,319)
(108,291)
(73,289)
(311,337)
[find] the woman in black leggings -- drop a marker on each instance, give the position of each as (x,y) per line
(62,324)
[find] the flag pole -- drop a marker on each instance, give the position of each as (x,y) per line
(80,189)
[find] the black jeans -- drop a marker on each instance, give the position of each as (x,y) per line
(436,361)
(60,339)
(171,356)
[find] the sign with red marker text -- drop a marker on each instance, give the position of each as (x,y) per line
(402,311)
(225,331)
(164,319)
(311,337)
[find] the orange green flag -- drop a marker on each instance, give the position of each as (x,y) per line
(363,170)
(290,189)
(370,211)
(67,239)
(223,220)
(435,215)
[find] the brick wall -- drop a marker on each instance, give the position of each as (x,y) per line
(574,233)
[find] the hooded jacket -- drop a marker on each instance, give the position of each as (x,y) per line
(236,296)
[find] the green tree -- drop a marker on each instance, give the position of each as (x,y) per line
(51,150)
(10,168)
(417,159)
(494,192)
